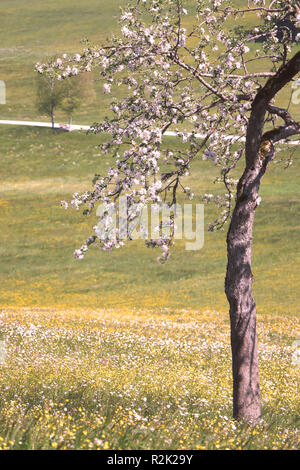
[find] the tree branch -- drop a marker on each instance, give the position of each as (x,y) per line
(260,105)
(282,132)
(281,112)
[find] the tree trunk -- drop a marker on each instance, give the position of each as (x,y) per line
(70,121)
(239,278)
(246,394)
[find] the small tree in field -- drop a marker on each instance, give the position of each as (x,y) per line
(207,75)
(49,95)
(68,94)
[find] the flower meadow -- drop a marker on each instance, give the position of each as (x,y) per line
(97,353)
(134,379)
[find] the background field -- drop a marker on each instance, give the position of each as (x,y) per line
(39,170)
(49,300)
(33,30)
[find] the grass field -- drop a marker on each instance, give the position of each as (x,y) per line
(38,269)
(117,351)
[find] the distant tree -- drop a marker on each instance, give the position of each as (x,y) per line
(49,95)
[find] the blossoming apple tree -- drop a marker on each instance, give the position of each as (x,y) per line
(199,69)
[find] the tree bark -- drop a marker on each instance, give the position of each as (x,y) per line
(246,394)
(239,278)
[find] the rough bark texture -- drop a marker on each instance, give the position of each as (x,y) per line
(259,153)
(246,396)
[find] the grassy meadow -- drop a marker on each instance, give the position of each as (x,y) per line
(116,351)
